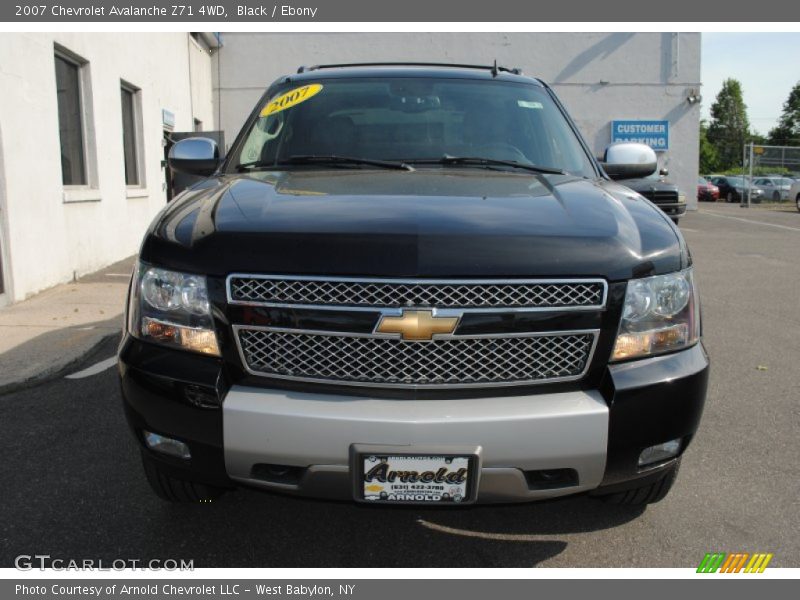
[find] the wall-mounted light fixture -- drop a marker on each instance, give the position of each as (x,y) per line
(694,97)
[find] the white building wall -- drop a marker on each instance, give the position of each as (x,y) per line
(600,77)
(201,84)
(47,240)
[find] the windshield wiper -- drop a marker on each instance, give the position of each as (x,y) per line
(334,159)
(488,162)
(254,166)
(323,159)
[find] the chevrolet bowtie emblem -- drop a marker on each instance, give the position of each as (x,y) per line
(417,325)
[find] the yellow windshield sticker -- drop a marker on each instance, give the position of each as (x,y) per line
(291,98)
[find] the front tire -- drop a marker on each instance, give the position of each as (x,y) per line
(172,489)
(646,494)
(729,197)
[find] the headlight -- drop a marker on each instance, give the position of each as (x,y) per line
(661,314)
(171,308)
(681,198)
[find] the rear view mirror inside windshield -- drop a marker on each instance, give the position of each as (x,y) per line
(415,103)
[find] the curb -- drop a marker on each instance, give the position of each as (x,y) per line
(51,375)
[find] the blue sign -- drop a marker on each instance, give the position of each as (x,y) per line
(653,133)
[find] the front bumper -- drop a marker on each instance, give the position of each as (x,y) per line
(673,209)
(302,443)
(707,196)
(510,436)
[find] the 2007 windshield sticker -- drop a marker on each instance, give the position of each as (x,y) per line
(291,98)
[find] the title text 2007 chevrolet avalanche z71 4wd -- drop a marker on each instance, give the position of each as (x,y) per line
(412,284)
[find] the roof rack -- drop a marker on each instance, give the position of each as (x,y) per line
(495,68)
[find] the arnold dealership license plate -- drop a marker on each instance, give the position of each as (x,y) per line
(416,478)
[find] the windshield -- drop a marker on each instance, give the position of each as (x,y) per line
(411,119)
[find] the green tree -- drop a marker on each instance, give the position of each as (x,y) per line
(729,129)
(787,133)
(709,159)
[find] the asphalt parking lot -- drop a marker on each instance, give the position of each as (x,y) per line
(73,486)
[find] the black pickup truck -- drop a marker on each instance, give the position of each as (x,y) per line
(412,284)
(660,192)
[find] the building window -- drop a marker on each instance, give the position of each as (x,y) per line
(70,122)
(130,135)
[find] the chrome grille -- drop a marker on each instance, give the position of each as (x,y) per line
(661,196)
(382,293)
(385,361)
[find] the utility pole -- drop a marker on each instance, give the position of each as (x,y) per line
(750,179)
(744,166)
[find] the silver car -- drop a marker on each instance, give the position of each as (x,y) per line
(775,188)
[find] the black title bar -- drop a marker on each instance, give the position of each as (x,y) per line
(449,11)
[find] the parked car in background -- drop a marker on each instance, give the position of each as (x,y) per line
(794,193)
(660,192)
(775,188)
(706,191)
(733,188)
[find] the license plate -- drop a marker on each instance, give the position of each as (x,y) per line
(416,478)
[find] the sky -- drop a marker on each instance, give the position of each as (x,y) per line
(767,65)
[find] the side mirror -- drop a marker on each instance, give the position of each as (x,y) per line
(194,156)
(664,172)
(629,160)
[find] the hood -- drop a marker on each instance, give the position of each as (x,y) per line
(445,223)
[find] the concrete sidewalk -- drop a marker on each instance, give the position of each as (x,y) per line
(42,336)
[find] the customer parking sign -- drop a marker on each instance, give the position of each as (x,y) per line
(653,133)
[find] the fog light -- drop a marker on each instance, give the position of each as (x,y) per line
(659,452)
(166,445)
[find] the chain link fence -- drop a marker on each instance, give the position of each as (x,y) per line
(770,172)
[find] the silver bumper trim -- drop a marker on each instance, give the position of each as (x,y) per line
(316,432)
